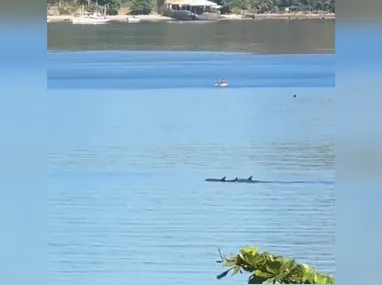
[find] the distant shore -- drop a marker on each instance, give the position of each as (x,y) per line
(233,17)
(283,16)
(116,18)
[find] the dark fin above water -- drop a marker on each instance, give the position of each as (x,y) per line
(233,180)
(237,179)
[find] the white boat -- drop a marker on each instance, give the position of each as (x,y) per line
(90,20)
(218,84)
(133,20)
(95,19)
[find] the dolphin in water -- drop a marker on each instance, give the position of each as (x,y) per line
(251,180)
(248,180)
(239,180)
(216,180)
(233,180)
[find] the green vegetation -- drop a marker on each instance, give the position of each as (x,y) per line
(276,6)
(112,6)
(269,268)
(228,6)
(140,7)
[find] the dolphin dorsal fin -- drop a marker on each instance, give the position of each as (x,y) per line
(250,177)
(223,179)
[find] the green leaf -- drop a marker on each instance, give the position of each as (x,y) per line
(291,280)
(309,273)
(249,255)
(250,250)
(268,256)
(288,265)
(266,267)
(223,274)
(274,266)
(307,268)
(322,279)
(297,273)
(253,279)
(250,259)
(236,270)
(262,260)
(262,274)
(230,263)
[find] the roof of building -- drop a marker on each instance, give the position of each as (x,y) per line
(192,3)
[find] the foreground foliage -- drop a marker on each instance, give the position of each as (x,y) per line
(269,268)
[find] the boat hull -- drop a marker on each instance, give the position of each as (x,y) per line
(89,21)
(221,85)
(133,20)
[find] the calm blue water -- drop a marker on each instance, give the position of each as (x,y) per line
(154,70)
(128,203)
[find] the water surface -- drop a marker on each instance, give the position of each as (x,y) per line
(127,200)
(260,37)
(174,70)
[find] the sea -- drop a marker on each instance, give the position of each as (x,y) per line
(143,70)
(133,135)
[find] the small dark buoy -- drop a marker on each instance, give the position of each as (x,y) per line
(294,96)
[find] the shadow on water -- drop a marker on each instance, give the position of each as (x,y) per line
(298,182)
(264,37)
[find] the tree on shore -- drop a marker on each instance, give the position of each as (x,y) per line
(272,269)
(112,6)
(140,7)
(267,6)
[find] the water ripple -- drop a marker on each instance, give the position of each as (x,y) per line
(141,71)
(127,200)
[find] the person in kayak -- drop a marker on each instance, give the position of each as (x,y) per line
(222,81)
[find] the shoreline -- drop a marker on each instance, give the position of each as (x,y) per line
(282,16)
(232,17)
(115,18)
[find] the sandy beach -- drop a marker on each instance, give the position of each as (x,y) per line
(232,17)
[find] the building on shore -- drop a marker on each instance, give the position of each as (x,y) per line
(191,9)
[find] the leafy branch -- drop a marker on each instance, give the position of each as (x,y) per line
(269,268)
